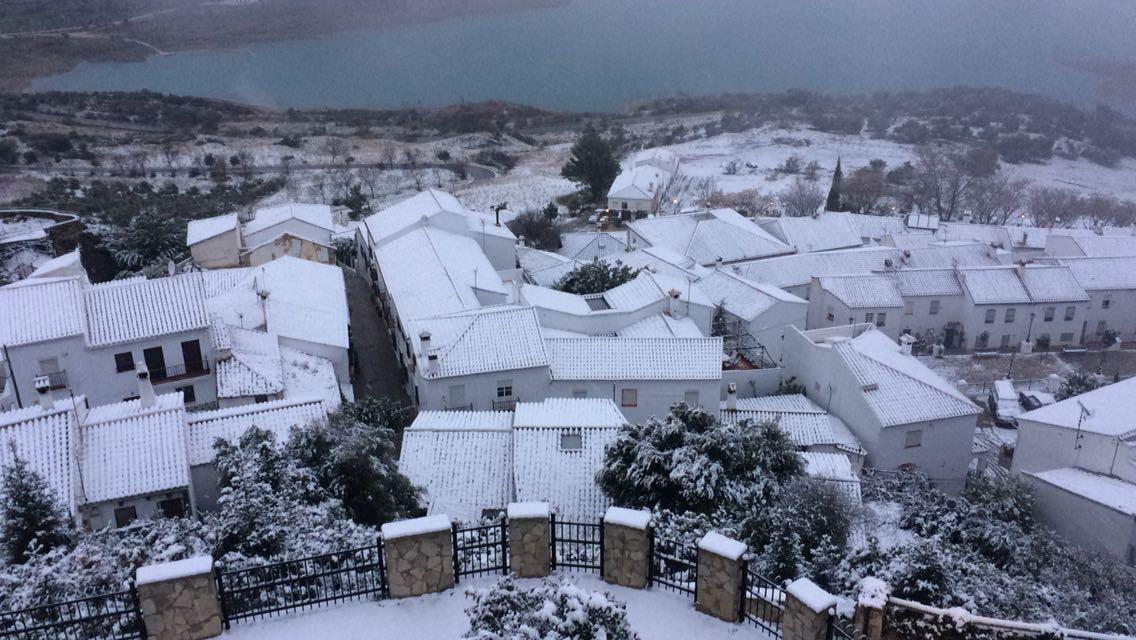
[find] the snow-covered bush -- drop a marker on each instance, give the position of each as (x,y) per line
(806,531)
(31,519)
(551,610)
(596,276)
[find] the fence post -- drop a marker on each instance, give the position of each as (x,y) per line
(871,604)
(221,598)
(384,587)
(529,533)
(552,542)
(806,613)
(627,551)
(454,547)
(719,582)
(420,555)
(601,548)
(504,547)
(139,621)
(179,599)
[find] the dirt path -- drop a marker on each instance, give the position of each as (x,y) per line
(377,373)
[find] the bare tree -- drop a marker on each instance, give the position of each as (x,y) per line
(410,154)
(704,189)
(389,153)
(802,198)
(245,163)
(335,148)
(319,189)
(941,183)
(1053,206)
(1101,210)
(340,181)
(371,176)
(862,189)
(170,153)
(997,199)
(749,202)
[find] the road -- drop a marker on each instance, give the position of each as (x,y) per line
(476,172)
(377,373)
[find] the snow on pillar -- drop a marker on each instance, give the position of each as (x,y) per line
(870,603)
(807,611)
(179,599)
(627,547)
(420,555)
(721,576)
(530,553)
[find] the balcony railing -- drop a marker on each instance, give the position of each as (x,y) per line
(173,373)
(460,407)
(505,404)
(57,379)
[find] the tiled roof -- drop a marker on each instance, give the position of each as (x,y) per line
(659,260)
(898,388)
(569,412)
(254,367)
(462,421)
(659,325)
(490,339)
(808,234)
(409,212)
(806,428)
(648,288)
(834,468)
(1102,246)
(946,256)
(864,292)
(796,270)
(464,471)
(870,226)
(45,440)
(928,282)
(1096,274)
(639,183)
(1052,284)
(309,377)
(205,228)
(707,236)
(39,312)
(127,450)
(635,358)
(136,309)
(545,472)
(588,245)
(314,214)
(741,297)
(996,285)
(789,402)
(279,417)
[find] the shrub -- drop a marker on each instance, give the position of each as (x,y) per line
(551,610)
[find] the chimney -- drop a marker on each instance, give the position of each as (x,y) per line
(672,304)
(718,262)
(732,397)
(1020,268)
(432,363)
(146,396)
(43,389)
(516,291)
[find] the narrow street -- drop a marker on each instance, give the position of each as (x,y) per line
(376,373)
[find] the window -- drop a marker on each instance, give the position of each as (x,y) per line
(990,315)
(690,398)
(828,316)
(881,319)
(1005,342)
(1101,326)
(260,399)
(913,439)
(629,398)
(1107,302)
(622,205)
(123,362)
(188,394)
(571,442)
(934,307)
(124,516)
(908,308)
(579,393)
(1010,315)
(982,340)
(1049,313)
(869,317)
(1070,312)
(1067,337)
(172,508)
(504,388)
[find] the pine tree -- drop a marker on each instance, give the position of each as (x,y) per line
(833,202)
(596,276)
(31,519)
(592,164)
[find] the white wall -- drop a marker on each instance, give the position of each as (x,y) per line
(655,397)
(293,225)
(100,515)
(220,251)
(633,204)
(1042,447)
(529,385)
(1119,316)
(1083,521)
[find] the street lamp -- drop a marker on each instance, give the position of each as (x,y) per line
(1029,331)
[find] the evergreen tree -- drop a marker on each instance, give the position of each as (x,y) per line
(549,610)
(1077,383)
(357,203)
(592,164)
(833,201)
(596,276)
(31,519)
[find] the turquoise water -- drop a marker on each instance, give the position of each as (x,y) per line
(605,54)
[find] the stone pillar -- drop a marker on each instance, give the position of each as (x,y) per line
(721,576)
(420,555)
(807,610)
(627,547)
(870,604)
(530,551)
(179,599)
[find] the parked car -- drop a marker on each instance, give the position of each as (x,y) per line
(1030,400)
(1003,403)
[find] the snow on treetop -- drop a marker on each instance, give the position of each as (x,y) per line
(523,510)
(811,595)
(628,517)
(196,565)
(720,545)
(416,527)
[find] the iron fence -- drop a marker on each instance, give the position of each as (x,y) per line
(481,550)
(842,629)
(674,565)
(304,583)
(576,545)
(762,602)
(108,616)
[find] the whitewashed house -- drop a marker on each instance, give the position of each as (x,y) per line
(1079,455)
(751,315)
(710,237)
(811,427)
(1111,286)
(820,232)
(642,184)
(901,412)
(794,273)
(298,230)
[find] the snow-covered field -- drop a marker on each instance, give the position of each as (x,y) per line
(653,614)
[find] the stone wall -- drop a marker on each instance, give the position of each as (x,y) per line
(420,564)
(806,612)
(627,547)
(179,600)
(530,553)
(721,578)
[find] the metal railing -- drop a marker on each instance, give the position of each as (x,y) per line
(109,616)
(294,585)
(673,566)
(172,373)
(576,545)
(505,405)
(55,379)
(842,629)
(762,602)
(459,407)
(481,550)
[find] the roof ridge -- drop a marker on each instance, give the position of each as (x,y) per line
(850,345)
(241,410)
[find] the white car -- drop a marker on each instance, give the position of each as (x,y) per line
(1003,403)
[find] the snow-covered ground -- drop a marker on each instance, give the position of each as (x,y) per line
(653,614)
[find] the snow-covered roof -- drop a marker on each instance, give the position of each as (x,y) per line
(635,358)
(741,297)
(204,428)
(641,182)
(1052,284)
(314,214)
(805,423)
(984,233)
(568,412)
(949,255)
(794,402)
(924,221)
(544,267)
(254,367)
(648,288)
(897,387)
(130,450)
(1106,246)
(464,460)
(1110,410)
(307,376)
(796,270)
(45,440)
(123,311)
(491,339)
(659,325)
(68,265)
(875,227)
(864,291)
(412,211)
(554,300)
(204,228)
(808,234)
(927,282)
(707,236)
(1097,274)
(997,285)
(430,271)
(548,469)
(1107,491)
(286,234)
(660,260)
(36,312)
(589,245)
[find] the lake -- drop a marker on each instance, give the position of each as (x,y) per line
(606,54)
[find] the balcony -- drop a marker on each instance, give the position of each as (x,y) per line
(505,404)
(460,407)
(57,379)
(174,373)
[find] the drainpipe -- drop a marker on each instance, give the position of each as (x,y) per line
(12,377)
